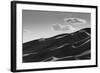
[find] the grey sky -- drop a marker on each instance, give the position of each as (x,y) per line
(38,24)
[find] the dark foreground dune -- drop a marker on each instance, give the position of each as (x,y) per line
(63,47)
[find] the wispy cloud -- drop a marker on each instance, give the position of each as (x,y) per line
(75,21)
(60,27)
(56,27)
(27,31)
(69,25)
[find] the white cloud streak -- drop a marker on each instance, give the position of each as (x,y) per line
(26,31)
(71,24)
(59,27)
(75,21)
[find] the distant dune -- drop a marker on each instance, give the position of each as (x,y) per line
(63,47)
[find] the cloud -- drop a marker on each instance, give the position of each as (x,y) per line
(72,25)
(26,31)
(60,27)
(68,28)
(75,21)
(56,27)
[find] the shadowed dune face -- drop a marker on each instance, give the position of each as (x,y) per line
(63,47)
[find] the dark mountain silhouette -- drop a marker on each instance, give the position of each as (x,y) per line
(73,46)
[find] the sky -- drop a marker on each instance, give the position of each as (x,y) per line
(45,24)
